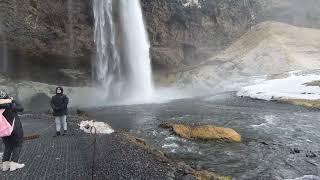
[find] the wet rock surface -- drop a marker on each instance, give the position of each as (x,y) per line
(180,35)
(42,27)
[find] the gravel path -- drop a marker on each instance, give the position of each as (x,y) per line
(71,156)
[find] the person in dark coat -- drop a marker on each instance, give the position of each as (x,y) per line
(13,143)
(59,104)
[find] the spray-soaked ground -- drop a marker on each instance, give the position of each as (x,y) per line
(279,141)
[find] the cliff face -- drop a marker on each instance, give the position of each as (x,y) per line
(47,27)
(182,32)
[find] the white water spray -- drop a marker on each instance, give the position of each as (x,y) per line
(137,48)
(126,75)
(3,51)
(70,27)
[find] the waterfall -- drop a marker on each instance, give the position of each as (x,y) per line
(122,66)
(3,51)
(108,68)
(70,27)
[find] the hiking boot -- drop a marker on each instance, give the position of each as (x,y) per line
(57,134)
(5,166)
(14,166)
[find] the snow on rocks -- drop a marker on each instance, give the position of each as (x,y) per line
(101,127)
(293,86)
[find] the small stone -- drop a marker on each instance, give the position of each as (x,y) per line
(294,151)
(311,154)
(198,167)
(188,177)
(171,175)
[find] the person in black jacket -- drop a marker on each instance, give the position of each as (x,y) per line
(59,105)
(13,143)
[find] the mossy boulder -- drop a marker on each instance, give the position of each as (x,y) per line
(205,132)
(207,175)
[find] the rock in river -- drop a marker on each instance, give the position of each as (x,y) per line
(205,132)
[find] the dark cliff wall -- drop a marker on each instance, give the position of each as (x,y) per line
(179,35)
(41,27)
(186,35)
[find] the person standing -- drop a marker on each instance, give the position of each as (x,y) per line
(59,104)
(12,143)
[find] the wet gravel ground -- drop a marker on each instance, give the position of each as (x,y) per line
(71,156)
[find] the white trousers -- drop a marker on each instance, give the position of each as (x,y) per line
(61,120)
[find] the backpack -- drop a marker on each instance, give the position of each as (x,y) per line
(5,127)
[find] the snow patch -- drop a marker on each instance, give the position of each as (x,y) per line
(291,87)
(101,127)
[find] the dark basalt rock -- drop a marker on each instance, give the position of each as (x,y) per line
(179,36)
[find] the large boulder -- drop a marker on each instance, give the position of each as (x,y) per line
(207,175)
(205,132)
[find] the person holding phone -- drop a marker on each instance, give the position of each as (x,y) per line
(12,143)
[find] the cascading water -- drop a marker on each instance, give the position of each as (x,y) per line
(122,66)
(70,26)
(3,51)
(107,65)
(137,48)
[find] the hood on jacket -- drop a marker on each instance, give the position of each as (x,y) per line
(59,89)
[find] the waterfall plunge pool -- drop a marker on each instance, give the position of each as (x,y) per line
(280,141)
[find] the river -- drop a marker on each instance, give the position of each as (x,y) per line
(279,141)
